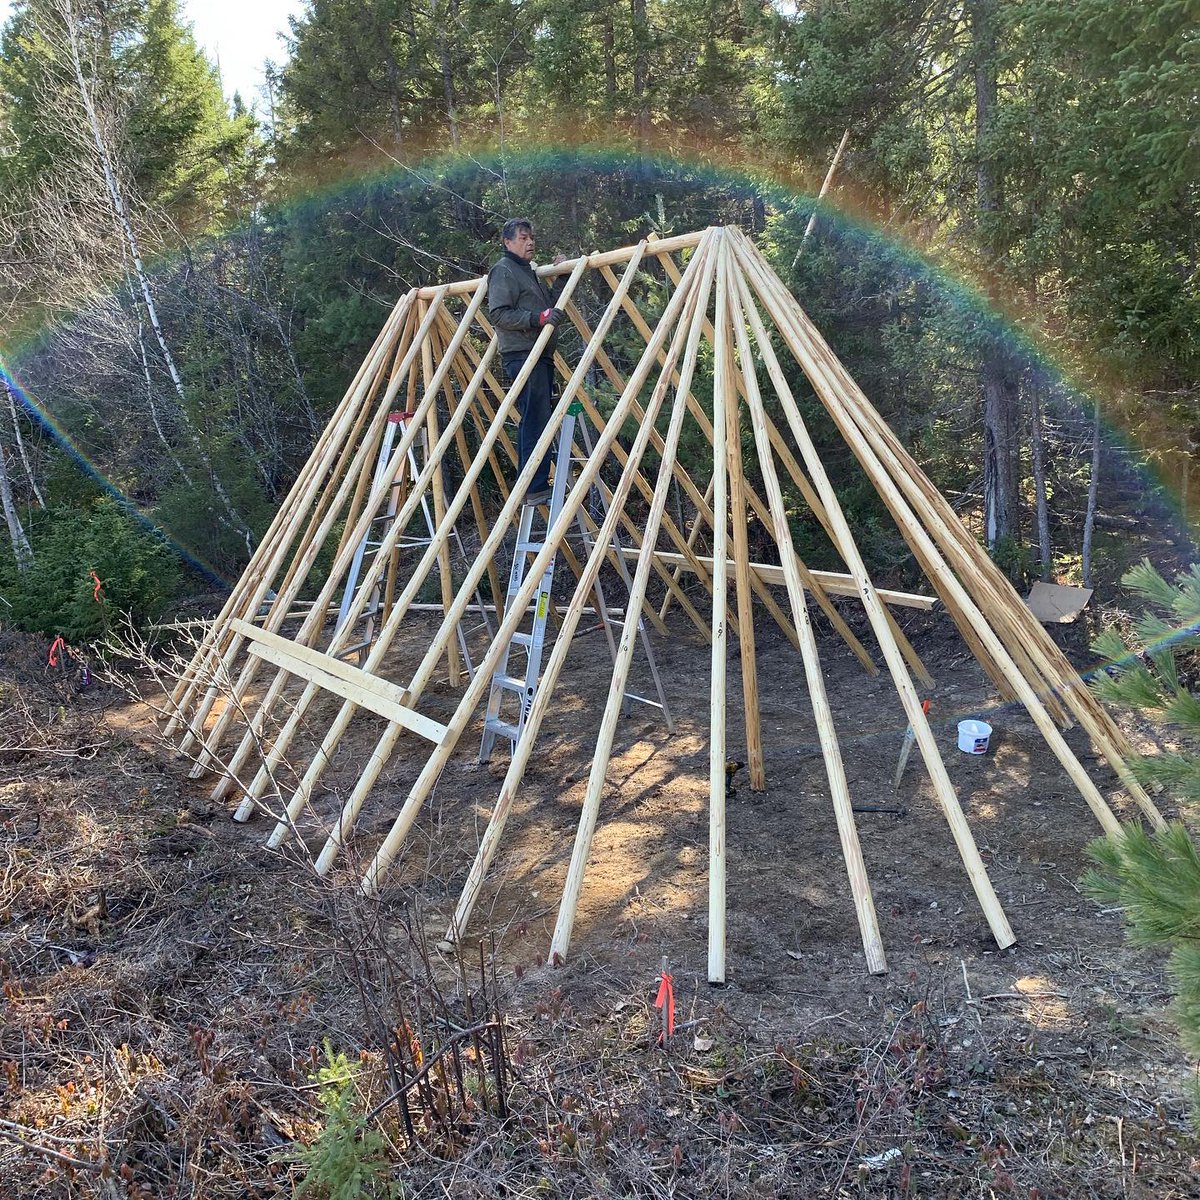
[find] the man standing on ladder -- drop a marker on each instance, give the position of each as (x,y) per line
(519,305)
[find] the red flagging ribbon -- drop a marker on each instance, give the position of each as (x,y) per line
(666,998)
(55,646)
(97,591)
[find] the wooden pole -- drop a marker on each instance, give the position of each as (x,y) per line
(676,535)
(818,509)
(445,574)
(541,701)
(323,453)
(826,376)
(313,624)
(835,618)
(1022,634)
(835,583)
(741,561)
(258,584)
(428,777)
(1023,637)
(716,697)
(367,475)
(464,458)
(630,527)
(387,742)
(688,329)
(910,700)
(391,623)
(856,869)
(914,483)
(307,551)
(605,258)
(358,456)
(593,414)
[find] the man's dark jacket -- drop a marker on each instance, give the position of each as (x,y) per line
(515,297)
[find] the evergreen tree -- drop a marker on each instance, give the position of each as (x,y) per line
(191,153)
(1156,878)
(183,151)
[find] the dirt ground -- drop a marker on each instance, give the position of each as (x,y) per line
(168,981)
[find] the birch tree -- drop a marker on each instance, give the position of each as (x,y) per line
(22,551)
(85,79)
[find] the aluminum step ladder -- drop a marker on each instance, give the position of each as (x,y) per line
(409,470)
(623,570)
(506,681)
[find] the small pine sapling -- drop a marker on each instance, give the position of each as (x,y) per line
(348,1160)
(1155,877)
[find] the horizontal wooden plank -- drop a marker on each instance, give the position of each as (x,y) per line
(367,691)
(461,287)
(833,582)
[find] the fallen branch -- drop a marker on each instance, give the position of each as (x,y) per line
(16,1133)
(1020,996)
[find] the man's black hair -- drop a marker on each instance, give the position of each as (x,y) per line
(513,226)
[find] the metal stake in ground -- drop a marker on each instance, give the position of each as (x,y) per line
(906,747)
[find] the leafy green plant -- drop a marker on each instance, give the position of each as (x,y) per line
(348,1160)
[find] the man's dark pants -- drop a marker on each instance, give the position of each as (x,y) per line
(535,404)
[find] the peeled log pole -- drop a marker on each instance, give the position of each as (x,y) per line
(947,797)
(433,768)
(439,503)
(817,361)
(251,589)
(312,628)
(856,868)
(612,710)
(1022,634)
(315,623)
(542,698)
(835,618)
(741,570)
(722,375)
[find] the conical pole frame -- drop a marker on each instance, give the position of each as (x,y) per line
(252,702)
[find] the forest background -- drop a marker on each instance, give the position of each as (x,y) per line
(1007,261)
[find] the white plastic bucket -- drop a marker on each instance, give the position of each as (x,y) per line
(973,736)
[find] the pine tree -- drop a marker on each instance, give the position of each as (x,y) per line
(1156,878)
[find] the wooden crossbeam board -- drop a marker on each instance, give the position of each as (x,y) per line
(835,584)
(367,691)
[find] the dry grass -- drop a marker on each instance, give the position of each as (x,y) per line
(168,985)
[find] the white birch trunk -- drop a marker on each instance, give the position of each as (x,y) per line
(31,479)
(121,213)
(22,550)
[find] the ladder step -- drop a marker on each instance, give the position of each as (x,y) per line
(522,639)
(510,682)
(530,547)
(503,728)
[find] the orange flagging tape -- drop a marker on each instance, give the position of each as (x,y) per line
(55,646)
(666,998)
(97,591)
